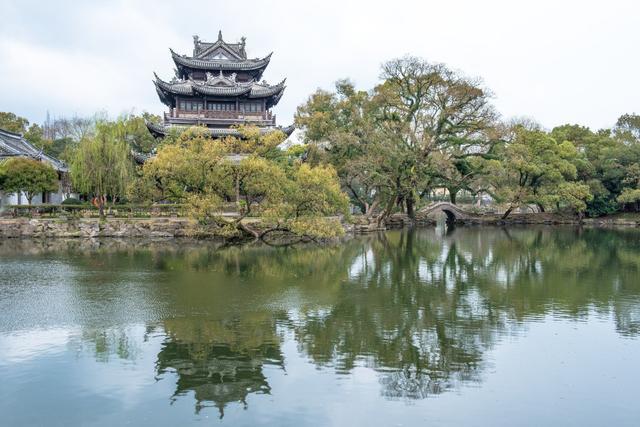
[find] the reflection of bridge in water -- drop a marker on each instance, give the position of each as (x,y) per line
(453,212)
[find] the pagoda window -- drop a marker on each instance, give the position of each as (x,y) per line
(221,106)
(251,107)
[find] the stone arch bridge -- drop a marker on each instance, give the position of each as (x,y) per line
(453,212)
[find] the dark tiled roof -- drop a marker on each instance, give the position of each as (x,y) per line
(14,145)
(221,90)
(263,90)
(202,48)
(220,64)
(191,87)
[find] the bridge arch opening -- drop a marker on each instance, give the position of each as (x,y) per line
(451,217)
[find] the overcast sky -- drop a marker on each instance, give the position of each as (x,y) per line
(555,61)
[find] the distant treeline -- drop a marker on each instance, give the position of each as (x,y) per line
(423,128)
(426,127)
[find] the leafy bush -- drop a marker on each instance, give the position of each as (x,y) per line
(601,206)
(71,201)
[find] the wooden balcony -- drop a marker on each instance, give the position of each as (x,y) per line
(239,116)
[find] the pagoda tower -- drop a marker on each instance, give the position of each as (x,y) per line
(218,87)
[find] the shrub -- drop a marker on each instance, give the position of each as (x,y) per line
(71,201)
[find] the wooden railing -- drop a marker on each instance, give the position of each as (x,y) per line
(216,114)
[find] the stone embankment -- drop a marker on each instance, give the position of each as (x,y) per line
(363,224)
(93,227)
(550,219)
(183,227)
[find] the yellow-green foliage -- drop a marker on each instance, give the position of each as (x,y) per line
(629,195)
(535,169)
(209,175)
(101,165)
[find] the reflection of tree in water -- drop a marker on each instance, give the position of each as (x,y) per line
(220,362)
(115,341)
(418,307)
(422,338)
(423,310)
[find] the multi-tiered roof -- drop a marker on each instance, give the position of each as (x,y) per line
(218,86)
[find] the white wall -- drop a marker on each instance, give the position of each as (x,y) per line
(7,199)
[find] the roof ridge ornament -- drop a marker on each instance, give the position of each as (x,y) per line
(196,45)
(243,43)
(219,35)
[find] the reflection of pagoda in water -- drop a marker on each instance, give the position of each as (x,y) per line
(218,87)
(217,372)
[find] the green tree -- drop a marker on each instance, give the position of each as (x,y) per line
(29,176)
(13,123)
(433,112)
(134,131)
(608,161)
(101,166)
(627,128)
(421,127)
(207,174)
(340,130)
(534,168)
(630,196)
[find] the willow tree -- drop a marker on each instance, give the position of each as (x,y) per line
(101,166)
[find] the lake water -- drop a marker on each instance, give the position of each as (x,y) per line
(470,326)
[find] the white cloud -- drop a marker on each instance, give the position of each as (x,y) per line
(570,61)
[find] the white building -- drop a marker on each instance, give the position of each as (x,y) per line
(14,145)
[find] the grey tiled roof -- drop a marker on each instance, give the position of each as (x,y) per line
(260,90)
(181,88)
(191,87)
(218,64)
(202,48)
(14,145)
(221,90)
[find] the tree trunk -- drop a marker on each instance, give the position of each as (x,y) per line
(387,211)
(372,207)
(237,193)
(101,201)
(540,207)
(453,194)
(244,227)
(410,207)
(508,211)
